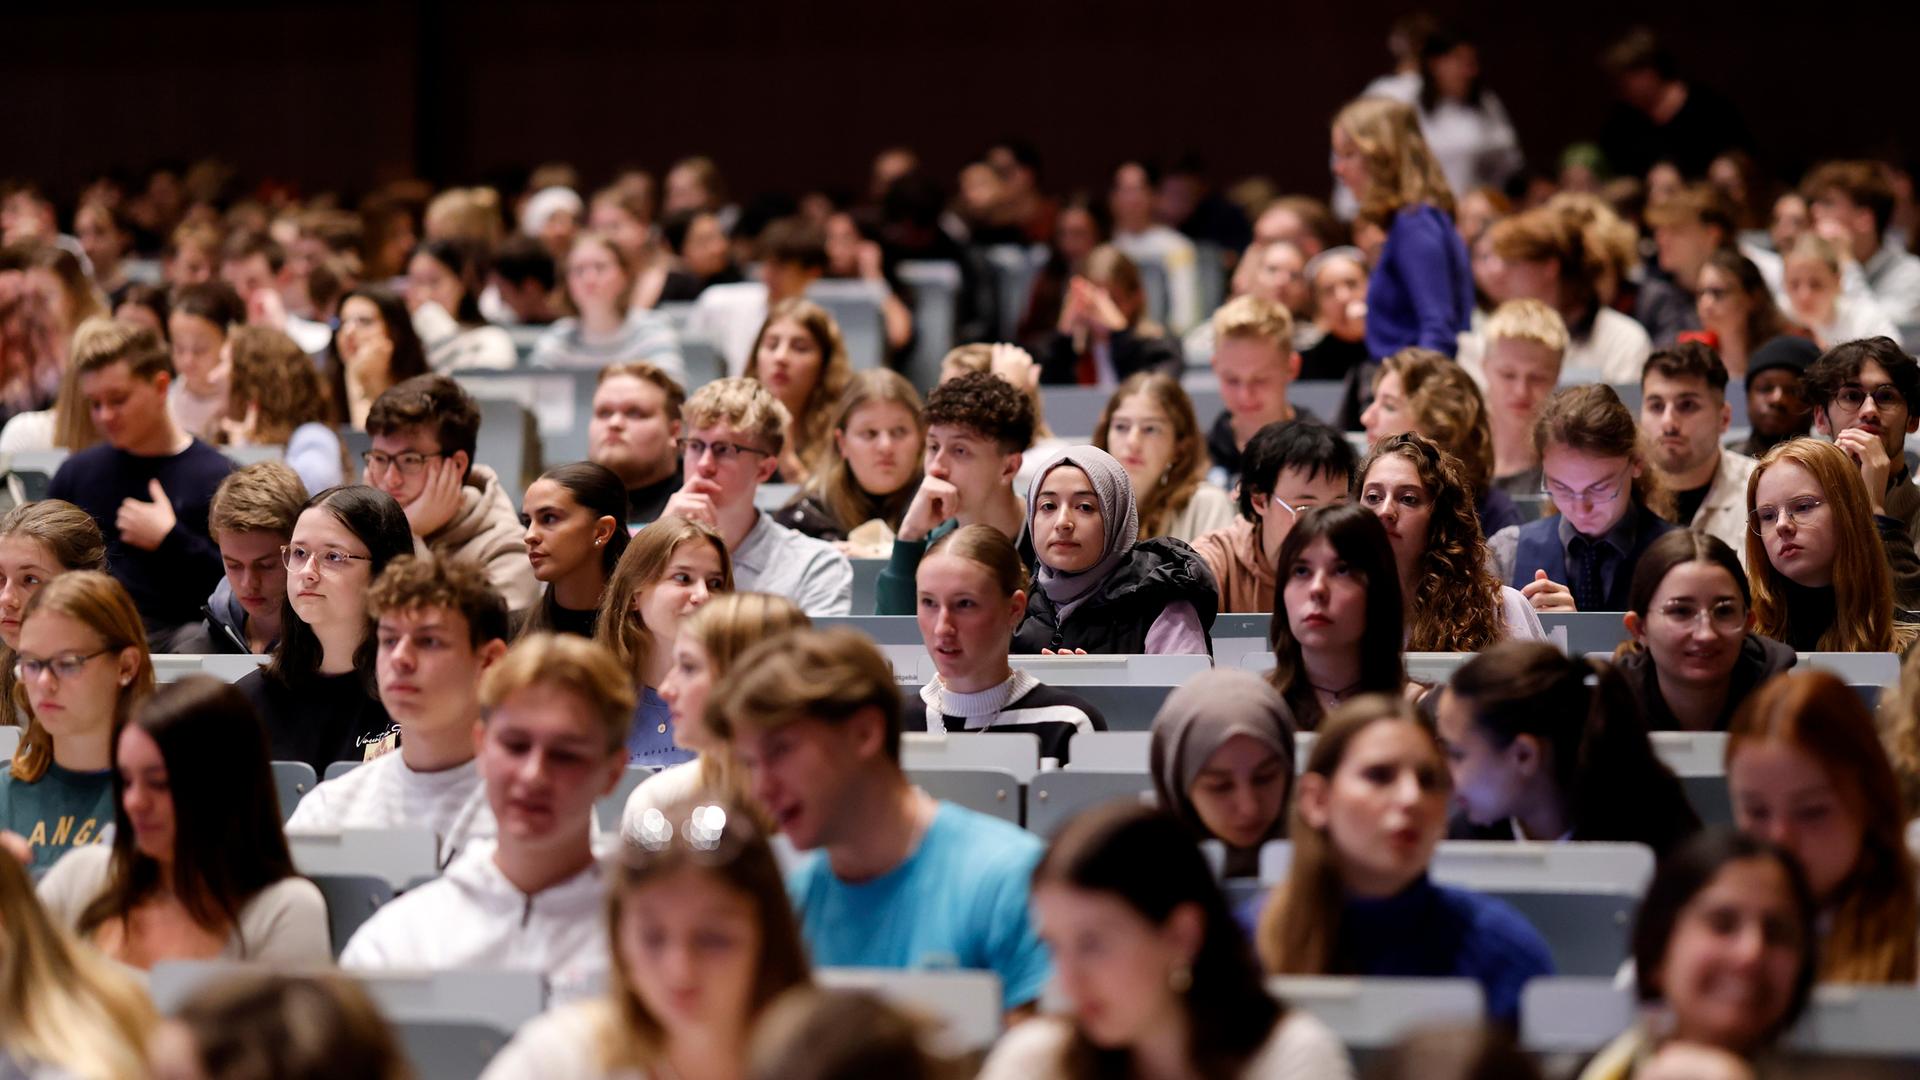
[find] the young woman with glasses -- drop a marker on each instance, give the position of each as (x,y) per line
(1608,501)
(1816,562)
(317,696)
(1694,657)
(80,667)
(1453,602)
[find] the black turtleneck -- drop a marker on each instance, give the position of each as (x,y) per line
(1809,613)
(646,504)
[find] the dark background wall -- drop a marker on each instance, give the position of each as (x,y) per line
(344,93)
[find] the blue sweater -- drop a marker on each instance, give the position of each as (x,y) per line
(1432,931)
(1421,293)
(169,583)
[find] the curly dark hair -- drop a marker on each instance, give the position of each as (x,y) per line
(1841,365)
(1455,605)
(987,404)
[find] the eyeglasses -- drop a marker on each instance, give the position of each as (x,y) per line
(295,558)
(30,669)
(1884,396)
(1765,519)
(1725,616)
(1600,494)
(410,462)
(723,452)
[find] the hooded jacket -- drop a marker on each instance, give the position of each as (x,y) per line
(1245,580)
(1115,618)
(221,629)
(1760,659)
(473,917)
(487,530)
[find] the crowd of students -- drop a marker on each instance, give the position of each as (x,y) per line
(1535,415)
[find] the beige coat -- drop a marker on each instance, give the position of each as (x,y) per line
(487,530)
(1724,512)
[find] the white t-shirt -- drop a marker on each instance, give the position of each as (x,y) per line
(385,793)
(1300,1047)
(473,917)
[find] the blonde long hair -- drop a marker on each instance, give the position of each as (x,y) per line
(833,483)
(618,627)
(1173,489)
(1401,169)
(1298,929)
(62,1003)
(97,600)
(735,856)
(726,627)
(812,425)
(1862,584)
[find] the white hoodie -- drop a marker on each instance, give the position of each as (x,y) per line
(473,917)
(385,793)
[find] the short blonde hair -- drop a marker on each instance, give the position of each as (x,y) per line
(567,662)
(1819,248)
(826,675)
(742,404)
(1527,320)
(1255,317)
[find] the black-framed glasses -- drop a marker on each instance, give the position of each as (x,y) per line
(66,666)
(1765,519)
(1885,396)
(409,462)
(295,558)
(722,451)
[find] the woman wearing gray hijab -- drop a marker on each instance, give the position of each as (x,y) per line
(1222,759)
(1098,588)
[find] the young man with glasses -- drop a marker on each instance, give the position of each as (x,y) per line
(424,431)
(1582,558)
(1285,468)
(733,430)
(149,483)
(1683,414)
(1863,395)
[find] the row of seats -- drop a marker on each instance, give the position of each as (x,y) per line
(451,1022)
(1001,774)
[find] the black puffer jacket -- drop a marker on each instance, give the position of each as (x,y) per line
(1760,659)
(1115,619)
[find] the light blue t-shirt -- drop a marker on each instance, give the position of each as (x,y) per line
(959,901)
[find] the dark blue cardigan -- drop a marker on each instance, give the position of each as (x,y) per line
(1421,293)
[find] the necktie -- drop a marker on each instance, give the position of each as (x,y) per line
(1585,572)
